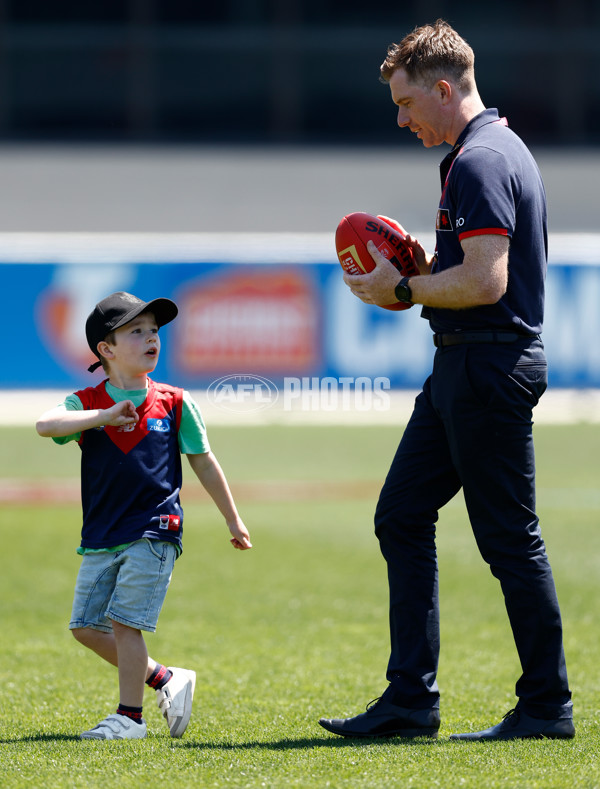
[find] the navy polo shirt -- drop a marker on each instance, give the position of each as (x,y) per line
(492,185)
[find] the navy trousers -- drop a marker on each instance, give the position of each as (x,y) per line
(472,428)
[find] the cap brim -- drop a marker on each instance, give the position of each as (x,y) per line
(164,310)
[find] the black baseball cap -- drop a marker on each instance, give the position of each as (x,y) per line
(118,309)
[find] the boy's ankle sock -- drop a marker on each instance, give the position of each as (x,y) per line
(159,677)
(135,713)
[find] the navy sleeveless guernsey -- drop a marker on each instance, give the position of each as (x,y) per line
(131,475)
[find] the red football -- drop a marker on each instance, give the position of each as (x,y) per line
(351,238)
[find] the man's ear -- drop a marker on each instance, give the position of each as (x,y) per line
(444,90)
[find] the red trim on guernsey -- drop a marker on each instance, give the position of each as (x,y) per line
(484,231)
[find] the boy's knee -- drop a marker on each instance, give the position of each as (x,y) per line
(80,634)
(125,631)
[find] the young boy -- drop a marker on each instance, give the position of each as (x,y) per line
(131,432)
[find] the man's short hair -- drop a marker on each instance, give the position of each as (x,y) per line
(430,53)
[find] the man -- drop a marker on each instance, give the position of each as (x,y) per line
(471,426)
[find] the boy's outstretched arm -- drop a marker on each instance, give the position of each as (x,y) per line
(60,421)
(206,467)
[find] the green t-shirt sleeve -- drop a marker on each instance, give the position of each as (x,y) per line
(192,431)
(71,403)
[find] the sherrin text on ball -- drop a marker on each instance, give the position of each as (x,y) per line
(351,237)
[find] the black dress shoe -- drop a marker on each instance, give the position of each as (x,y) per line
(516,725)
(383,719)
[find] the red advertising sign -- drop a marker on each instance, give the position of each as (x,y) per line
(262,320)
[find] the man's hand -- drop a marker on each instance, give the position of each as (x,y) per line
(422,259)
(376,287)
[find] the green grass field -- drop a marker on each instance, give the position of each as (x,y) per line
(292,630)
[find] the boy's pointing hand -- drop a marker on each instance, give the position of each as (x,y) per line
(122,413)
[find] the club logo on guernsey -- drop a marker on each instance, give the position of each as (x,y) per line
(443,221)
(170,522)
(158,425)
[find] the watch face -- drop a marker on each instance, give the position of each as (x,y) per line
(403,292)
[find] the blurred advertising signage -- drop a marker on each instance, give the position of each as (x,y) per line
(263,319)
(61,330)
(62,307)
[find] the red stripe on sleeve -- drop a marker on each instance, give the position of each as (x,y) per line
(483,231)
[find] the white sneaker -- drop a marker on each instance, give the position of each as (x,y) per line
(175,699)
(116,727)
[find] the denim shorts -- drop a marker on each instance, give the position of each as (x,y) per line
(127,586)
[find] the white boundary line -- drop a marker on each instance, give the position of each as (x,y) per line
(557,406)
(160,248)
